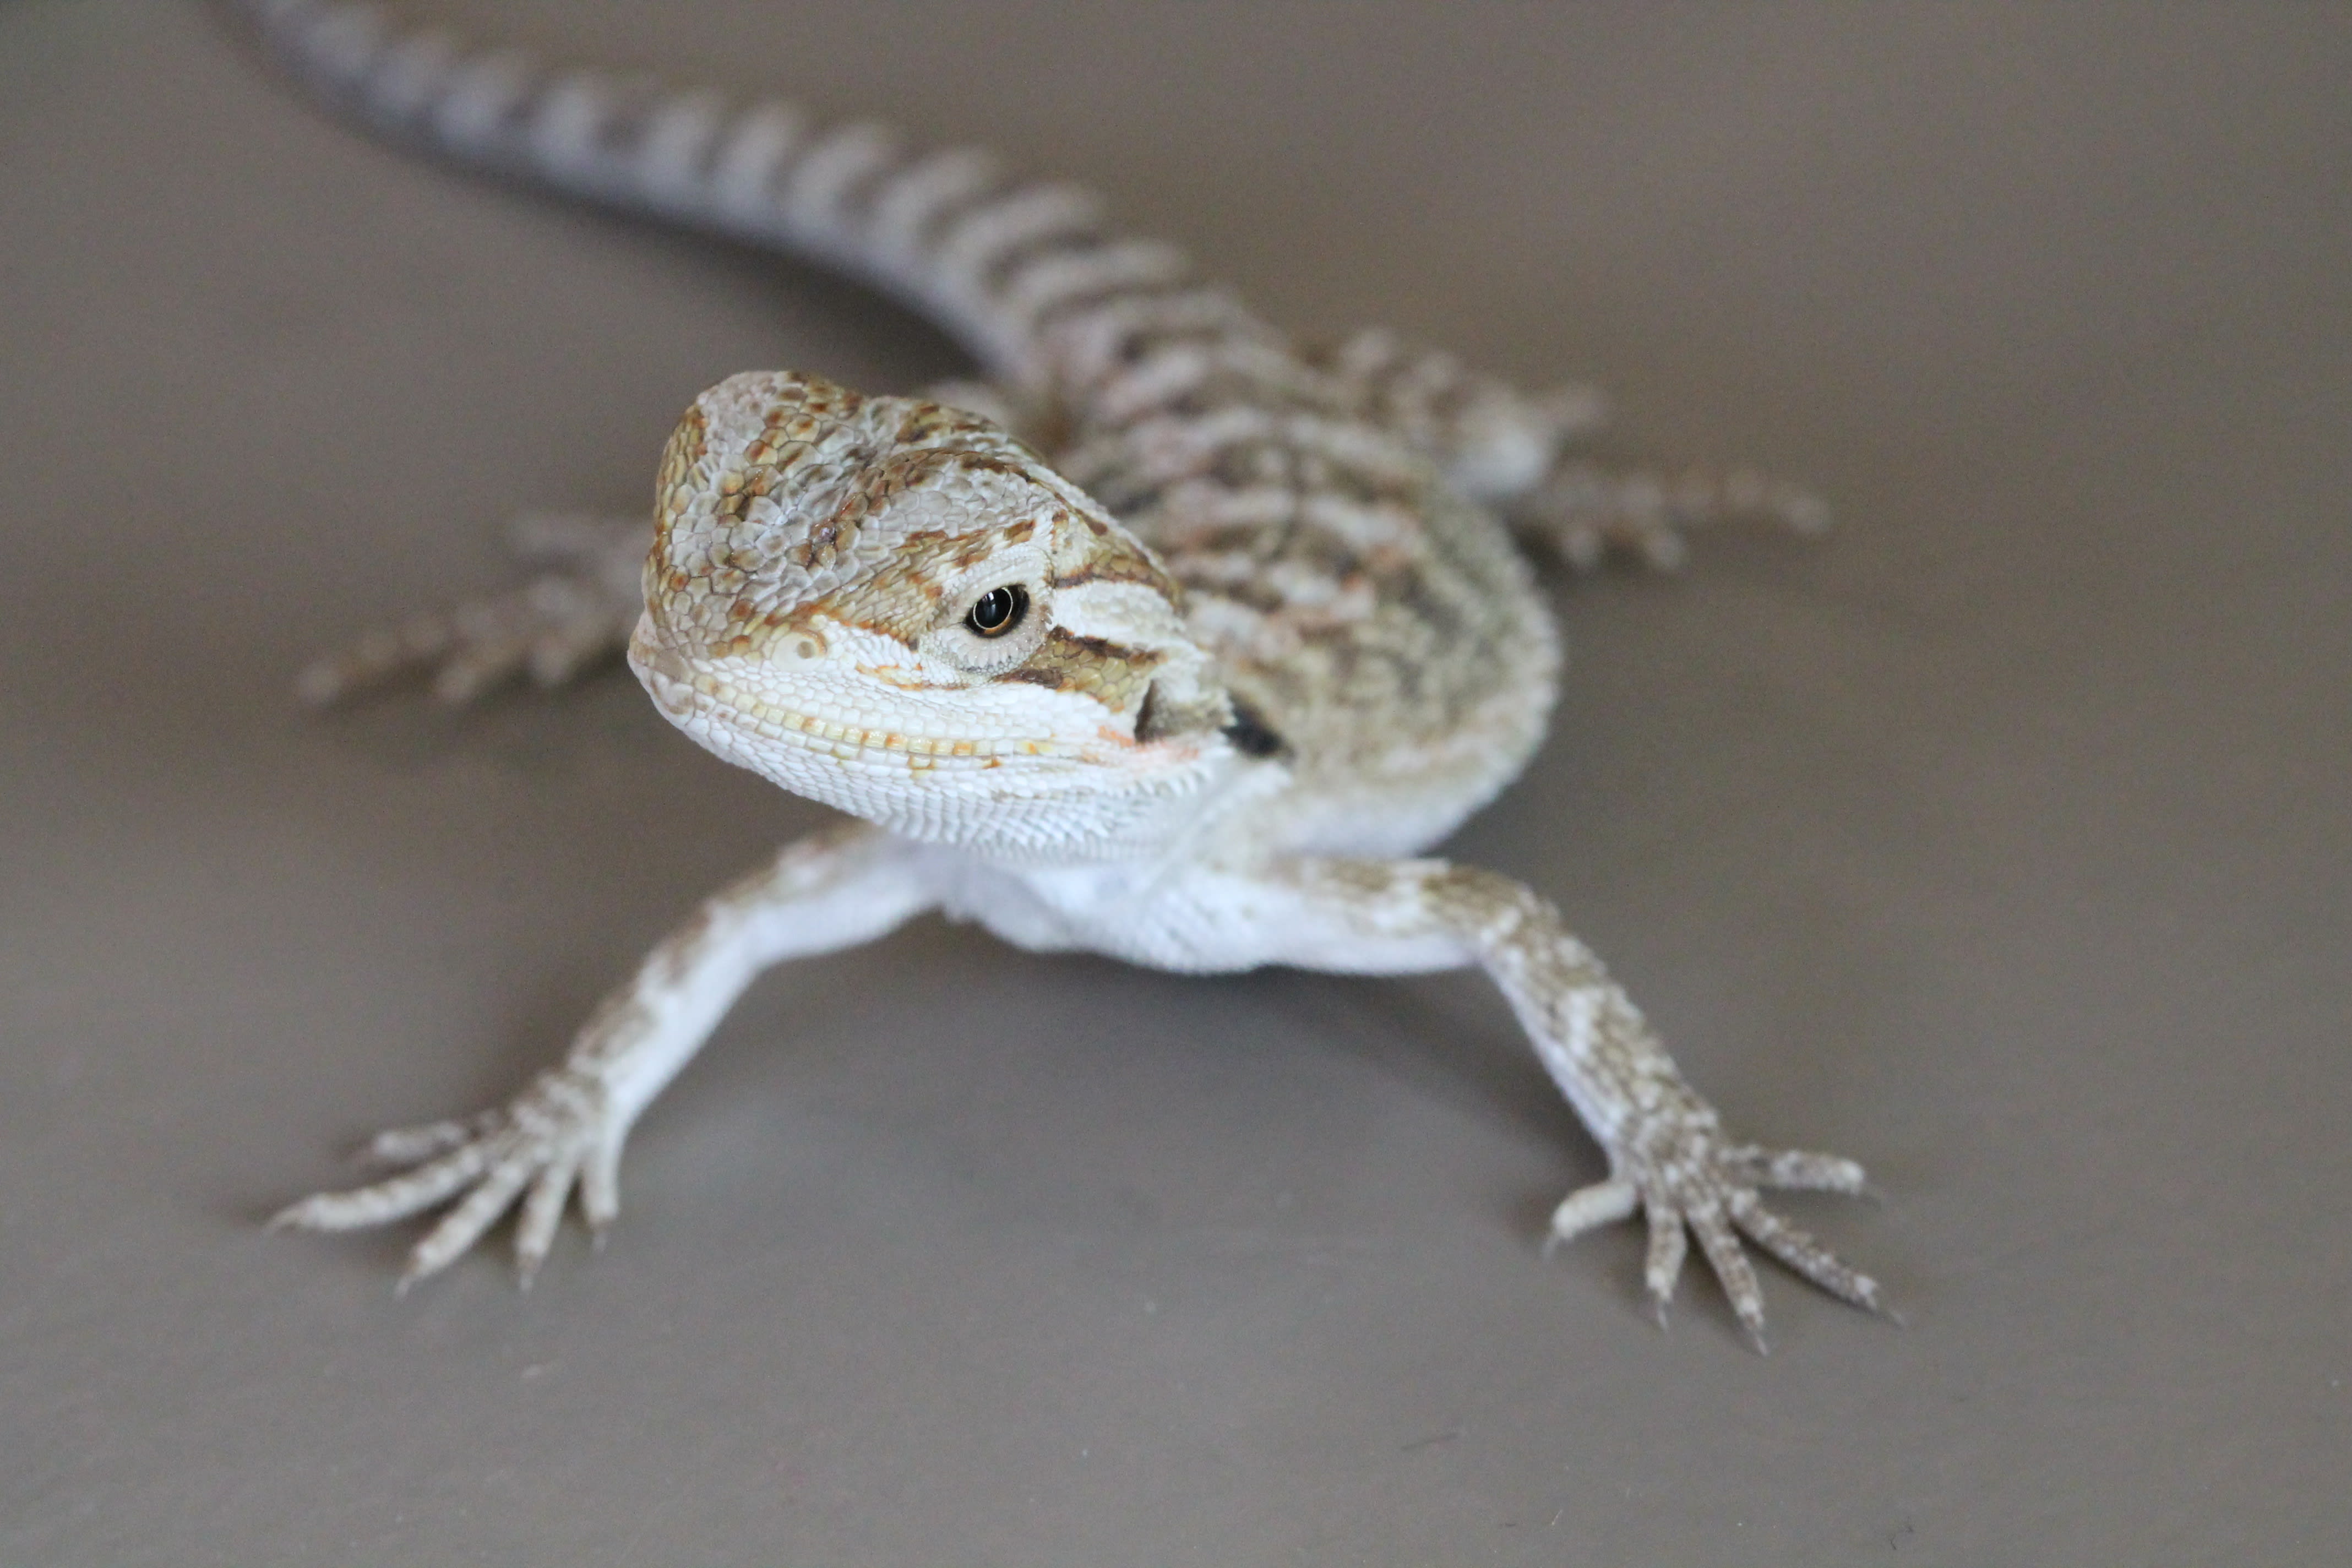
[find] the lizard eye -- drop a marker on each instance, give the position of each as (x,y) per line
(998,611)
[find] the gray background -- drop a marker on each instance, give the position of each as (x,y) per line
(1999,841)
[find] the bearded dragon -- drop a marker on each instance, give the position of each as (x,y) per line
(1173,641)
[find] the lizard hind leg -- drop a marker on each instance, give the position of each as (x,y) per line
(1583,509)
(1529,455)
(1493,441)
(574,612)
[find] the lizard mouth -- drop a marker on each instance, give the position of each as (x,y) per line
(695,699)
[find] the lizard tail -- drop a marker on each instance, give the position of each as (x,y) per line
(995,260)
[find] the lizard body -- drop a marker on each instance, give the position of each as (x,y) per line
(1174,642)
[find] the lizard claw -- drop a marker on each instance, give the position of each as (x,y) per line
(556,1137)
(1687,1183)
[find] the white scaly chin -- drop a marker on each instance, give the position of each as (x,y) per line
(1004,769)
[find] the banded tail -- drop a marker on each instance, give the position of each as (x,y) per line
(999,262)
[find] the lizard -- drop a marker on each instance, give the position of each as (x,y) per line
(1171,640)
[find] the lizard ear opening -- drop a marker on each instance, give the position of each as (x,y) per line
(1164,716)
(1167,712)
(1250,734)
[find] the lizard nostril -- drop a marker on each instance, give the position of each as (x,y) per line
(663,673)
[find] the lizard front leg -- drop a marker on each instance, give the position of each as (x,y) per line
(1670,1160)
(565,1131)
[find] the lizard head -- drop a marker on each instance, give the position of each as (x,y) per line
(896,608)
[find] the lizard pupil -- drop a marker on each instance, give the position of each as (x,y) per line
(998,611)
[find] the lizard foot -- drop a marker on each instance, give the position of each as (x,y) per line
(580,609)
(558,1134)
(1583,511)
(1676,1171)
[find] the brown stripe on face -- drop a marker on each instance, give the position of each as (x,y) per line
(902,599)
(1117,568)
(883,483)
(1112,674)
(1103,554)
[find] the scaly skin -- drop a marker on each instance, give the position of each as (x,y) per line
(1191,693)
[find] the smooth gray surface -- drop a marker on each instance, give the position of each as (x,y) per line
(2000,842)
